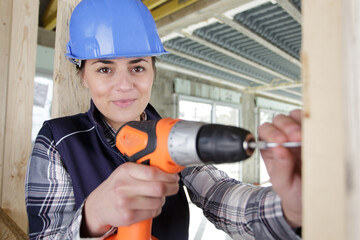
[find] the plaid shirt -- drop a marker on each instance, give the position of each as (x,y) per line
(243,211)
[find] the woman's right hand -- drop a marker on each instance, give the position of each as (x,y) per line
(132,193)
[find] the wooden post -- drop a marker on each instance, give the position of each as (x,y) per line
(251,167)
(70,96)
(20,19)
(324,136)
(5,20)
(351,63)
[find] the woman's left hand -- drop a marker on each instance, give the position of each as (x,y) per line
(284,164)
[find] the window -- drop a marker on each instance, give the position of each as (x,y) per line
(195,111)
(227,115)
(43,88)
(198,109)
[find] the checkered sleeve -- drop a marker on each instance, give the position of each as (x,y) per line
(49,196)
(241,210)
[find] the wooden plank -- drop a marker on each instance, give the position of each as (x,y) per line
(251,167)
(9,229)
(324,181)
(351,32)
(151,4)
(19,103)
(199,11)
(70,96)
(46,38)
(49,16)
(170,7)
(5,20)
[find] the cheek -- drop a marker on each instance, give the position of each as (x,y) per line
(99,90)
(145,86)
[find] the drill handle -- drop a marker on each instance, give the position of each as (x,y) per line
(146,142)
(136,231)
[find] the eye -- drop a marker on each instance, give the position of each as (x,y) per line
(138,69)
(104,70)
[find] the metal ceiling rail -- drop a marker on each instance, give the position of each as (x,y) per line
(289,7)
(237,57)
(182,70)
(250,34)
(276,86)
(227,70)
(214,66)
(209,10)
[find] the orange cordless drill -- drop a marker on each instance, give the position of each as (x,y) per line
(172,145)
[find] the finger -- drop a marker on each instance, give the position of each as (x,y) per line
(289,127)
(282,167)
(270,133)
(296,115)
(149,173)
(140,203)
(135,187)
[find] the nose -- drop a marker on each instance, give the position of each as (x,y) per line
(123,82)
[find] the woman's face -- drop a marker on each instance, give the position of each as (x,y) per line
(119,88)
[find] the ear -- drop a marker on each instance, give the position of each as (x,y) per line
(82,78)
(84,82)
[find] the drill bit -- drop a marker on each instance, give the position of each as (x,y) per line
(264,144)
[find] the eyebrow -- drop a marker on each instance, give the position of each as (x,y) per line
(137,60)
(104,61)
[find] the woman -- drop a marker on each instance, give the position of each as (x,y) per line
(79,185)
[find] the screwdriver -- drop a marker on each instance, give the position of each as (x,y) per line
(265,145)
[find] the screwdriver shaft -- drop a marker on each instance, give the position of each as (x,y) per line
(264,144)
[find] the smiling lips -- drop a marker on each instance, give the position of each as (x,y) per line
(123,103)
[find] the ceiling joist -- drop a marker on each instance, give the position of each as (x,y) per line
(151,4)
(48,19)
(170,7)
(290,9)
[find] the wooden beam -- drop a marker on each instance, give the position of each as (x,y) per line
(324,136)
(5,31)
(170,7)
(351,31)
(151,4)
(19,103)
(70,96)
(46,38)
(9,229)
(48,18)
(200,11)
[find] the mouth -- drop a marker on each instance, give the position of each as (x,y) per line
(123,103)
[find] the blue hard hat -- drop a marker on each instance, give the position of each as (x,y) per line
(112,29)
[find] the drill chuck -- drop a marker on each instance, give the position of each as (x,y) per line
(196,143)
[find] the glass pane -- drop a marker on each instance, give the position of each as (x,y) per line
(227,115)
(195,111)
(42,102)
